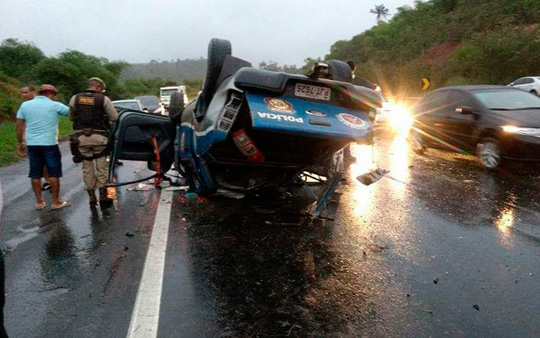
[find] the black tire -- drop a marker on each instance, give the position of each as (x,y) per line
(186,171)
(340,71)
(176,107)
(416,143)
(218,50)
(534,92)
(489,153)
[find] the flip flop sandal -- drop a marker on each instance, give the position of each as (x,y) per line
(41,206)
(61,206)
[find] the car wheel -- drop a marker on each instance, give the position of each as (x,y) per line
(176,107)
(186,173)
(218,50)
(416,143)
(533,92)
(340,70)
(489,153)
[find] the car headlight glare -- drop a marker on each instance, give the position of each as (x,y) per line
(511,129)
(400,119)
(522,131)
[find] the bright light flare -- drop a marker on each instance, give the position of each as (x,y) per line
(400,119)
(506,220)
(511,129)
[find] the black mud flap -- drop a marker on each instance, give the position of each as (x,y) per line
(132,139)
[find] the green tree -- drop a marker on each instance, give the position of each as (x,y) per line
(10,97)
(274,66)
(497,56)
(135,87)
(71,70)
(381,11)
(452,41)
(153,84)
(270,65)
(140,86)
(17,58)
(308,64)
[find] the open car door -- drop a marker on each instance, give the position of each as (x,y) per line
(132,140)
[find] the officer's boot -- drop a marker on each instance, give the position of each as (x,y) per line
(93,198)
(104,200)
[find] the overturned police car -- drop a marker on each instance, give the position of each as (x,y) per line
(251,129)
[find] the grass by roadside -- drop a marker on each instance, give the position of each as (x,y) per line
(8,139)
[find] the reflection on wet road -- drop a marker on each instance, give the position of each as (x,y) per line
(437,247)
(68,271)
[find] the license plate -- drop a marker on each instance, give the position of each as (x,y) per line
(312,92)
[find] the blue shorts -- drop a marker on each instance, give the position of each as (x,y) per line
(44,156)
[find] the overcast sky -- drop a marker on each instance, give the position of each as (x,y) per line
(286,31)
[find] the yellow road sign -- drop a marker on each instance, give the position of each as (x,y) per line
(425,83)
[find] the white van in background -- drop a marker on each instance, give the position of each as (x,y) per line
(165,96)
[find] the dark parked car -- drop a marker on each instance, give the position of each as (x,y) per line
(151,102)
(493,122)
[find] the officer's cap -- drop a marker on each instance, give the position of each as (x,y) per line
(100,81)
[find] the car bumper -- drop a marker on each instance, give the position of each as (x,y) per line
(521,147)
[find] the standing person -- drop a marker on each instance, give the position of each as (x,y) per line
(39,119)
(29,93)
(92,113)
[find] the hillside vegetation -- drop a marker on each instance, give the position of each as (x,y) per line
(23,63)
(453,42)
(10,97)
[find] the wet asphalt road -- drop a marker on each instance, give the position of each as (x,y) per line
(439,247)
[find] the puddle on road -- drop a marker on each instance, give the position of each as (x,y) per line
(31,230)
(12,187)
(13,243)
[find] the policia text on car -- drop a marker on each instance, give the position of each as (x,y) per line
(92,113)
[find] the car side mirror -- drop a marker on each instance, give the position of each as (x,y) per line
(465,110)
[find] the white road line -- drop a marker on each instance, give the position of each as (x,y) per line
(145,317)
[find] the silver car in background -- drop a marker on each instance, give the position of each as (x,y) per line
(529,84)
(121,105)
